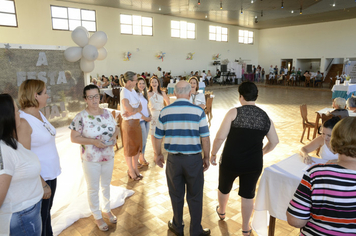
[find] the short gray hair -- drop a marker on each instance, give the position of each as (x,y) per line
(182,90)
(351,102)
(340,102)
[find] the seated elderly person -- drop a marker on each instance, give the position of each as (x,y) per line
(339,105)
(351,103)
(324,203)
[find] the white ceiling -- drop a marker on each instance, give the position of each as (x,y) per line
(314,11)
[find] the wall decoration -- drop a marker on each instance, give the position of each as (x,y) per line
(160,55)
(217,56)
(127,56)
(89,50)
(190,56)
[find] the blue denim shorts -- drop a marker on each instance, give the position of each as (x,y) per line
(27,222)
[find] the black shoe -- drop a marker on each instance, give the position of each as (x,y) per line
(171,228)
(205,232)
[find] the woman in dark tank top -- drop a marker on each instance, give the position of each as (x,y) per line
(244,129)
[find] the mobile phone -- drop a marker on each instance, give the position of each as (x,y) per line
(109,143)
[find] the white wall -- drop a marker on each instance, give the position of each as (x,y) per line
(323,40)
(34,27)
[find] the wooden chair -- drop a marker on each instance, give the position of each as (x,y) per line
(306,124)
(267,79)
(307,81)
(332,82)
(119,121)
(114,101)
(209,108)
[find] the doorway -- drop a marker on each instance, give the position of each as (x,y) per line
(287,63)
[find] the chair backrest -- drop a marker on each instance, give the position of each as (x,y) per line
(304,113)
(325,117)
(209,104)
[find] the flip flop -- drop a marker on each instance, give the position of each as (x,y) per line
(220,214)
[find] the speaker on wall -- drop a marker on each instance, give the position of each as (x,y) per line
(223,68)
(249,68)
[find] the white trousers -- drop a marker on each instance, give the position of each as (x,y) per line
(95,172)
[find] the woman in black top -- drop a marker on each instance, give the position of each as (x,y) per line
(244,129)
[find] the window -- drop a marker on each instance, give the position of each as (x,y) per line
(67,18)
(182,29)
(8,13)
(136,25)
(245,36)
(217,33)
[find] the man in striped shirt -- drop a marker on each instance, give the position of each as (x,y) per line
(186,133)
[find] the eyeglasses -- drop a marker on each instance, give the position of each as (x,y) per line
(91,97)
(48,128)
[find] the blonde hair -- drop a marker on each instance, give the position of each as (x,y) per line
(343,137)
(27,91)
(196,79)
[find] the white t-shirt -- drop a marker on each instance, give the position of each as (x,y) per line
(134,101)
(197,99)
(203,75)
(25,188)
(159,74)
(43,144)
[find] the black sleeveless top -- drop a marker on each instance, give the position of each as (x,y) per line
(244,143)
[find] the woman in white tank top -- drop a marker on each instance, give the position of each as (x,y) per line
(323,141)
(38,135)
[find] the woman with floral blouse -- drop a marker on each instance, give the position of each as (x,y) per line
(95,130)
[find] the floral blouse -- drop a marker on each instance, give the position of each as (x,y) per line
(100,127)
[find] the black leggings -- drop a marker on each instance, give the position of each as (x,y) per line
(247,181)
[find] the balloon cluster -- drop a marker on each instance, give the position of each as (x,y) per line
(160,55)
(127,56)
(217,56)
(190,56)
(89,50)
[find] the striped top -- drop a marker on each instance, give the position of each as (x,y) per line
(182,124)
(326,197)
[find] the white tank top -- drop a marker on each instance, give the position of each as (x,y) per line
(43,145)
(326,154)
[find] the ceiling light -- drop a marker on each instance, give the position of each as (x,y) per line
(292,11)
(206,16)
(282,4)
(255,17)
(251,1)
(198,2)
(221,5)
(301,10)
(333,4)
(159,9)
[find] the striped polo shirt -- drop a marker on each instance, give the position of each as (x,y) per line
(326,197)
(182,124)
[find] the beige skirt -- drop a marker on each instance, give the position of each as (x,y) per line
(132,137)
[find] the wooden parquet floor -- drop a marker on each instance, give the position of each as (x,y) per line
(147,212)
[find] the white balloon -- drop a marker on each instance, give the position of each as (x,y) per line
(85,30)
(98,39)
(90,52)
(102,54)
(73,54)
(80,36)
(86,66)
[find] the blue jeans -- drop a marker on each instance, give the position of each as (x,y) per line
(145,127)
(27,222)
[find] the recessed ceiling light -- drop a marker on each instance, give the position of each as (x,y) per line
(256,17)
(159,9)
(333,4)
(206,16)
(251,1)
(292,11)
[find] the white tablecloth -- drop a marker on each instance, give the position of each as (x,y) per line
(107,91)
(341,87)
(276,189)
(327,109)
